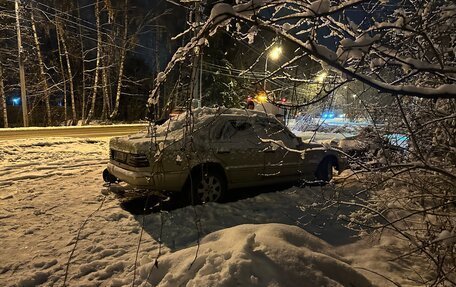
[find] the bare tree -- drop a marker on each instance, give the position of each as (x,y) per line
(62,71)
(3,99)
(70,73)
(97,65)
(105,89)
(123,53)
(83,65)
(43,73)
(25,114)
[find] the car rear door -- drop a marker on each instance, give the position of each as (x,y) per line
(238,148)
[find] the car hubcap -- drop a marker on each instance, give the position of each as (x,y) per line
(209,189)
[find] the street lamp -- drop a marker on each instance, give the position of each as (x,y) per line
(262,97)
(274,54)
(320,78)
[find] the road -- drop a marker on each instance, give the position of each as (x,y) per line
(78,131)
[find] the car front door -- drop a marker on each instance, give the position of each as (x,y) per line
(282,158)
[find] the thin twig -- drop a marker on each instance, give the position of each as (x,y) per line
(77,239)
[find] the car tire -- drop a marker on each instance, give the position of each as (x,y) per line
(325,170)
(208,186)
(108,177)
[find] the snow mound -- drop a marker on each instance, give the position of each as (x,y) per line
(254,255)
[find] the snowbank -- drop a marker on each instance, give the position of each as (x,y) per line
(254,255)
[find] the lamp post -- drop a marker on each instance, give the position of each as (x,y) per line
(274,54)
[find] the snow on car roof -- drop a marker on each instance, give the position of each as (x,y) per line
(200,116)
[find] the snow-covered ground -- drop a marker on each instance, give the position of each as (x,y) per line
(53,203)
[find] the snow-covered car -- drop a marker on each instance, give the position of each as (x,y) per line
(220,149)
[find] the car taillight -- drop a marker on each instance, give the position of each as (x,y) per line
(131,159)
(137,160)
(118,156)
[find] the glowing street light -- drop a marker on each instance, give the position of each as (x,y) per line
(274,54)
(320,78)
(262,97)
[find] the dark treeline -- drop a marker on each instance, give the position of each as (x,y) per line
(83,60)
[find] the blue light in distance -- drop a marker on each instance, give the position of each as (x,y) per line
(327,115)
(16,101)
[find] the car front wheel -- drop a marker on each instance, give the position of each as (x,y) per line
(209,186)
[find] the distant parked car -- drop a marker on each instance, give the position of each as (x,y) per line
(222,150)
(370,146)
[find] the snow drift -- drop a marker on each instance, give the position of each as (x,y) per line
(254,255)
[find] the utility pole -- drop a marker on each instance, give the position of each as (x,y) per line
(21,67)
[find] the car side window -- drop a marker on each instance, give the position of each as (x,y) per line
(234,129)
(270,129)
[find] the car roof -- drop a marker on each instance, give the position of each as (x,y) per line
(202,116)
(227,111)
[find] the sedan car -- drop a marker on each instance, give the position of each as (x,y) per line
(204,154)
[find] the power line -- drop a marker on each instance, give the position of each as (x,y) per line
(48,14)
(70,15)
(85,21)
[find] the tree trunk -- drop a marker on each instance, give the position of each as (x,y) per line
(25,114)
(42,71)
(3,99)
(95,81)
(157,70)
(123,53)
(70,75)
(83,94)
(62,71)
(106,96)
